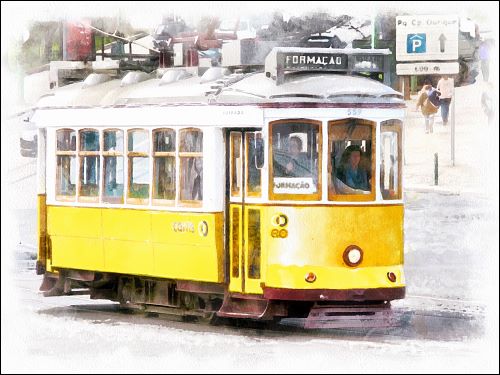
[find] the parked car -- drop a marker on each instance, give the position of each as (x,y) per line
(28,143)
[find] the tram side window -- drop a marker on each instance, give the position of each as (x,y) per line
(191,165)
(138,166)
(113,166)
(351,161)
(164,164)
(89,164)
(390,159)
(66,164)
(255,151)
(236,163)
(296,159)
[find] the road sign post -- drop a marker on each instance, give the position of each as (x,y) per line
(428,45)
(453,100)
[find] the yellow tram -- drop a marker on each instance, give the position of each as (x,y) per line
(261,195)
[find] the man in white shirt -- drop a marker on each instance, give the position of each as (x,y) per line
(445,86)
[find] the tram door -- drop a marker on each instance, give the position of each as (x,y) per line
(246,159)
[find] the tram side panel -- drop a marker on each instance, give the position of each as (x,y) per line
(137,242)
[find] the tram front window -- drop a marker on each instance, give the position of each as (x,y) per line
(295,153)
(390,160)
(350,158)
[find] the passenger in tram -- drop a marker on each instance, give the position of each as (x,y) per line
(352,172)
(197,191)
(166,190)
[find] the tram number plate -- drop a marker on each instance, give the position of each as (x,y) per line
(354,112)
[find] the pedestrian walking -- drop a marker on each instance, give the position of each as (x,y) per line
(484,56)
(428,102)
(445,87)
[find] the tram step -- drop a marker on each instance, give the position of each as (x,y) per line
(350,316)
(250,308)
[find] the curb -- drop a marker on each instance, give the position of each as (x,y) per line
(441,190)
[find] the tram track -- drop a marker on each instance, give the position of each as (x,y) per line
(419,304)
(415,324)
(440,318)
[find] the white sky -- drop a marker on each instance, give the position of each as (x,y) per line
(17,15)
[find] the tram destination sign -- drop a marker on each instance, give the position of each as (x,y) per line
(313,61)
(295,59)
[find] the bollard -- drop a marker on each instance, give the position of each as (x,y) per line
(436,169)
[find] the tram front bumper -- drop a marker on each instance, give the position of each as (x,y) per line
(294,283)
(358,295)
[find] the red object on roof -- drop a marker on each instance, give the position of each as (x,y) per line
(78,41)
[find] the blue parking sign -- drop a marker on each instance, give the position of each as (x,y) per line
(415,43)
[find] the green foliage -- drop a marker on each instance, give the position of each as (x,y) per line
(99,41)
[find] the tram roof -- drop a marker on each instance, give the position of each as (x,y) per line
(300,87)
(233,89)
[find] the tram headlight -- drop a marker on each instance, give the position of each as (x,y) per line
(310,277)
(391,276)
(353,255)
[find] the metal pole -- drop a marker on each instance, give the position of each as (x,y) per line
(64,41)
(373,32)
(453,100)
(436,169)
(405,124)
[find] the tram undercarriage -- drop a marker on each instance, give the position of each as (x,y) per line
(205,301)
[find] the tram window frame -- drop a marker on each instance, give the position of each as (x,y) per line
(332,194)
(391,126)
(183,157)
(131,155)
(82,154)
(157,156)
(71,153)
(119,155)
(319,144)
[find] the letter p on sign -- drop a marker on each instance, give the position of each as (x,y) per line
(415,43)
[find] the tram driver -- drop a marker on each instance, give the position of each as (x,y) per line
(296,162)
